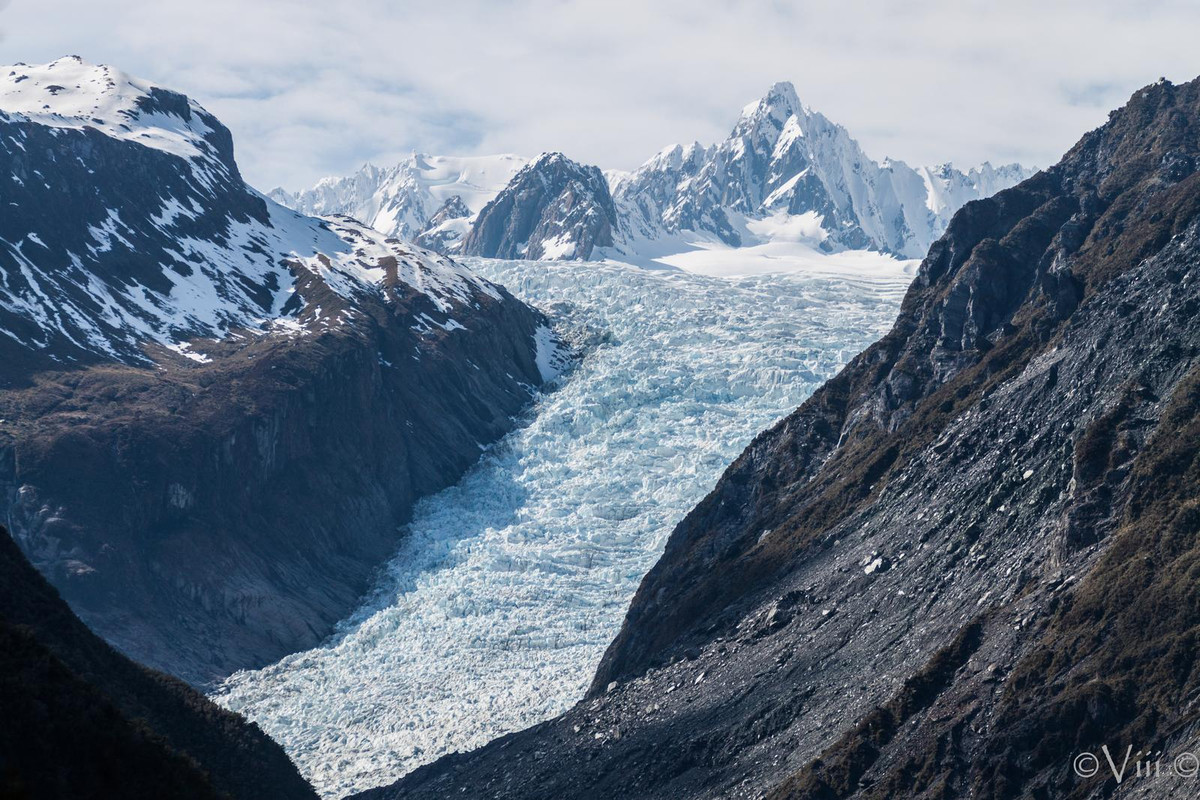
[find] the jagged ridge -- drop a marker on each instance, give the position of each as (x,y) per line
(781,160)
(402,200)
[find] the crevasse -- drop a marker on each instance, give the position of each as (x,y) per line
(507,587)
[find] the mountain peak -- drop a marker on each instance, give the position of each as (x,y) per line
(672,157)
(73,93)
(550,158)
(554,208)
(784,90)
(780,102)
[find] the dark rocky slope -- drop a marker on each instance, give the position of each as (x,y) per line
(82,721)
(214,412)
(966,559)
(553,208)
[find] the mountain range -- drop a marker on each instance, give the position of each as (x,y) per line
(782,163)
(965,561)
(414,198)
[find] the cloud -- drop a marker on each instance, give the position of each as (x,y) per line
(312,88)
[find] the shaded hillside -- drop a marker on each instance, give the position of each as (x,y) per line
(82,721)
(941,576)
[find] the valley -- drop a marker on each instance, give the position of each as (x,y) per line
(495,612)
(763,470)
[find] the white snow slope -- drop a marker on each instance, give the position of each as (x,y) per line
(72,94)
(400,200)
(496,610)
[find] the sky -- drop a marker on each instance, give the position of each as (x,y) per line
(313,88)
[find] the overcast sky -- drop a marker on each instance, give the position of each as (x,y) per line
(313,87)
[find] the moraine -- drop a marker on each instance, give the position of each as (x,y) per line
(498,606)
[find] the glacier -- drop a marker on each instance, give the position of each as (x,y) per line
(507,587)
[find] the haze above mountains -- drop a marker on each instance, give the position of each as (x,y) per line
(785,173)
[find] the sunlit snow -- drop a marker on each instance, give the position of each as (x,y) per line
(71,93)
(508,587)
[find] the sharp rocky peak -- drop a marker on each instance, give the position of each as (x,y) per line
(780,102)
(783,158)
(554,208)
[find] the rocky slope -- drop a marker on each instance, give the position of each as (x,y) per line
(964,561)
(554,208)
(444,231)
(215,410)
(81,720)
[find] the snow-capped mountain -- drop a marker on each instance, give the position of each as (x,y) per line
(402,200)
(949,189)
(554,208)
(216,410)
(101,258)
(783,160)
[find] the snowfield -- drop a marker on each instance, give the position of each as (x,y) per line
(508,587)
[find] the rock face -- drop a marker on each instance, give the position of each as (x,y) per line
(215,410)
(554,208)
(966,559)
(81,720)
(445,229)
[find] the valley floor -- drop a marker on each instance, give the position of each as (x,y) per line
(509,586)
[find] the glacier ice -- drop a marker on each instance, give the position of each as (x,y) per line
(508,586)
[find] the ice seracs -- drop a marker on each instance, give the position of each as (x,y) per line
(509,586)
